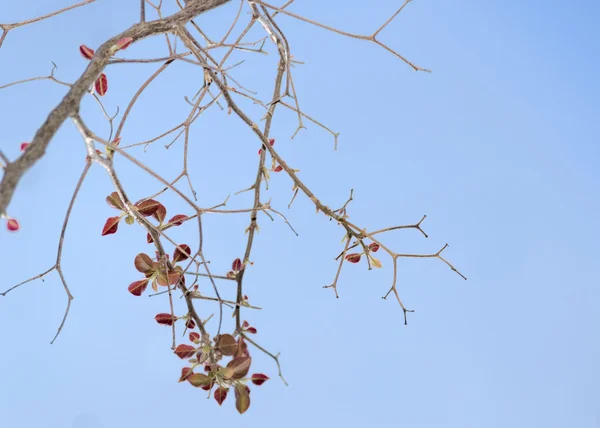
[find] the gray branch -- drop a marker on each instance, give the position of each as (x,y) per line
(69,105)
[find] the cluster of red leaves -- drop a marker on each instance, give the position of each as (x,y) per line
(101,83)
(220,377)
(147,208)
(155,272)
(232,375)
(355,257)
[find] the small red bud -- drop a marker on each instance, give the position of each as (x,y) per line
(124,43)
(13,225)
(164,319)
(87,53)
(353,258)
(259,378)
(101,84)
(236,266)
(24,146)
(374,246)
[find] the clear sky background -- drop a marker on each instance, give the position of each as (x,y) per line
(499,146)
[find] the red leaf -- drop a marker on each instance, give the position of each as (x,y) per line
(240,366)
(111,226)
(226,344)
(259,378)
(87,53)
(185,372)
(278,168)
(179,255)
(251,330)
(242,398)
(194,337)
(374,246)
(143,263)
(114,201)
(174,277)
(101,84)
(221,394)
(177,220)
(245,324)
(12,225)
(242,349)
(149,239)
(165,319)
(138,287)
(185,351)
(160,213)
(353,258)
(208,386)
(237,266)
(147,207)
(24,146)
(124,43)
(199,379)
(190,324)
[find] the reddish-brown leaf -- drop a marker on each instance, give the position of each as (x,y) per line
(353,258)
(87,53)
(242,398)
(240,366)
(174,277)
(259,378)
(160,213)
(138,287)
(198,379)
(245,324)
(191,324)
(111,226)
(12,225)
(101,84)
(177,220)
(221,394)
(185,351)
(237,266)
(185,372)
(165,319)
(278,168)
(124,43)
(149,239)
(114,201)
(251,330)
(226,344)
(147,207)
(179,255)
(242,349)
(194,337)
(374,246)
(143,263)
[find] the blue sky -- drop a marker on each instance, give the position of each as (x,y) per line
(498,146)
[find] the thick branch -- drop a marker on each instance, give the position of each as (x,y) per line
(70,103)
